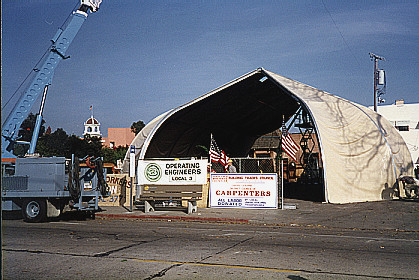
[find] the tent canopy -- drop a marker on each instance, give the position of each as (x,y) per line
(236,116)
(362,154)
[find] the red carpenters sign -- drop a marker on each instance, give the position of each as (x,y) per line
(244,191)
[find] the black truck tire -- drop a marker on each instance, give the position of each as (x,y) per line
(34,210)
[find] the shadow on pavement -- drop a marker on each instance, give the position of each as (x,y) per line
(12,215)
(66,216)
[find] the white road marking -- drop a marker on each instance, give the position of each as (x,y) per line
(68,223)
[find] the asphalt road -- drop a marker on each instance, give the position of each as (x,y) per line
(138,249)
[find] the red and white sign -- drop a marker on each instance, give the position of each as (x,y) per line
(244,191)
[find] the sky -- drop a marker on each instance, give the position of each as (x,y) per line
(133,60)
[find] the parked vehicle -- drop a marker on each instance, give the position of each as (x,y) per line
(39,186)
(411,186)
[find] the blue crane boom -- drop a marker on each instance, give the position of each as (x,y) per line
(42,79)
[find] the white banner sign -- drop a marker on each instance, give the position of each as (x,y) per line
(132,161)
(172,172)
(244,191)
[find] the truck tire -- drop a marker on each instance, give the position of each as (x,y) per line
(34,210)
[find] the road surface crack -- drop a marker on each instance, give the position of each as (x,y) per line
(228,248)
(163,272)
(106,254)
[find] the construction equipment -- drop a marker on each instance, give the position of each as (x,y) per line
(43,187)
(308,159)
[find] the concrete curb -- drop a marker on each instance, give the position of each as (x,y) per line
(177,218)
(239,221)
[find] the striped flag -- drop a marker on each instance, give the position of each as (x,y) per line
(217,155)
(224,159)
(214,151)
(288,144)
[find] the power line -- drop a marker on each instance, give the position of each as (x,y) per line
(38,63)
(341,35)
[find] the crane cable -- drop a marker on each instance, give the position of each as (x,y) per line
(34,69)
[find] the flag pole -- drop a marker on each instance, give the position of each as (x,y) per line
(282,184)
(282,167)
(210,155)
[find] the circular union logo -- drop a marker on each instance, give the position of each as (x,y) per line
(152,172)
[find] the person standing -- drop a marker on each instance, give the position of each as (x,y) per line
(230,167)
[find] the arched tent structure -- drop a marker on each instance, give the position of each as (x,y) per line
(362,154)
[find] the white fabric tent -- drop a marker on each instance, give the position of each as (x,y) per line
(361,152)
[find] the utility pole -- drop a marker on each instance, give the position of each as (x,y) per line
(375,58)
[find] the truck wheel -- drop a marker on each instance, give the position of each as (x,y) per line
(34,210)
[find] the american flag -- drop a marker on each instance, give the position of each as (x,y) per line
(217,155)
(288,145)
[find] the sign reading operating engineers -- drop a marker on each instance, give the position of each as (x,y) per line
(173,172)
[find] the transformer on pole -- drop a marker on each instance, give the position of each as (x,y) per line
(379,79)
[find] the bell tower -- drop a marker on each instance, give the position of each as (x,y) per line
(92,126)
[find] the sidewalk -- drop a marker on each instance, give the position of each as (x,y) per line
(398,215)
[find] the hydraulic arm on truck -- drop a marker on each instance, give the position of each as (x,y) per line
(42,186)
(42,79)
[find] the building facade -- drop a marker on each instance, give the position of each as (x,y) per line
(405,118)
(118,137)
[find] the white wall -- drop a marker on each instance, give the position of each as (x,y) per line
(405,115)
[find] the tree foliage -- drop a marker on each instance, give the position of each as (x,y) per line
(60,144)
(54,144)
(112,155)
(27,127)
(25,134)
(137,126)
